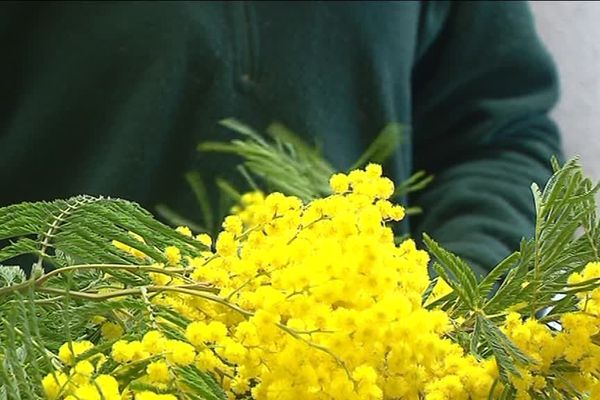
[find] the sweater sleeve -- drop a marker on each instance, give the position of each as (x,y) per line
(483,85)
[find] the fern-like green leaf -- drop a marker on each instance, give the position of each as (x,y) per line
(507,355)
(82,230)
(456,272)
(563,208)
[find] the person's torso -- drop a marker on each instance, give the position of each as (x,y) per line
(112,98)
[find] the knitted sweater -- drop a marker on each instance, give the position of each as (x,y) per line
(111,98)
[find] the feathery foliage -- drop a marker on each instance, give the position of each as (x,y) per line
(533,280)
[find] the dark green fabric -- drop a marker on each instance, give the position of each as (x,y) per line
(111,98)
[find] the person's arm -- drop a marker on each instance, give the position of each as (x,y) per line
(482,90)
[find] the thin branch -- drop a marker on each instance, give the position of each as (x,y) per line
(198,291)
(39,282)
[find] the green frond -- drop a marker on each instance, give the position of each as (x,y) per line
(203,385)
(81,230)
(564,208)
(280,165)
(455,272)
(507,355)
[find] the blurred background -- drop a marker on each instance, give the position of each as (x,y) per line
(571,31)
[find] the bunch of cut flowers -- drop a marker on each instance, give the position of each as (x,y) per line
(305,292)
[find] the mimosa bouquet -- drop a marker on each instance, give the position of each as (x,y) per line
(305,293)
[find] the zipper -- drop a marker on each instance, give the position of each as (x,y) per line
(246,45)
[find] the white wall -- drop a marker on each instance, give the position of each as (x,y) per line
(571,31)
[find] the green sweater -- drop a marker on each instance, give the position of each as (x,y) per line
(111,98)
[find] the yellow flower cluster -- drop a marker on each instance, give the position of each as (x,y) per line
(332,307)
(571,342)
(80,384)
(82,381)
(316,301)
